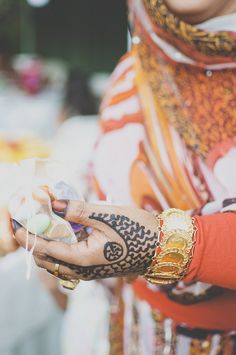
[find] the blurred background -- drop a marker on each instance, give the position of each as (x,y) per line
(88,34)
(42,41)
(55,60)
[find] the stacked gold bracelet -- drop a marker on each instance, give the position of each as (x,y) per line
(175,250)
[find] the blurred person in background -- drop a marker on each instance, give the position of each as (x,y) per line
(74,141)
(78,97)
(169,141)
(36,99)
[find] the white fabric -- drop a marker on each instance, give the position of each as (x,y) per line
(147,329)
(113,159)
(225,171)
(29,318)
(73,146)
(86,324)
(21,113)
(220,23)
(128,106)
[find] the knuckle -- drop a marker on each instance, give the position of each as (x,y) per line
(48,247)
(40,255)
(80,210)
(39,263)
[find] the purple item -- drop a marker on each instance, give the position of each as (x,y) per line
(76,227)
(66,192)
(89,230)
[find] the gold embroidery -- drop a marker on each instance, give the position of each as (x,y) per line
(220,44)
(200,104)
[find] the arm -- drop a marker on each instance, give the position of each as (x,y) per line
(124,241)
(214,257)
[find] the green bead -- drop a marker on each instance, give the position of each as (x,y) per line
(39,223)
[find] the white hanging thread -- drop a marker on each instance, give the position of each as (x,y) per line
(28,173)
(29,253)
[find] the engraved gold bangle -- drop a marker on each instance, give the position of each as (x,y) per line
(175,251)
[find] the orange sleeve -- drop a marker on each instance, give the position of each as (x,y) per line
(214,257)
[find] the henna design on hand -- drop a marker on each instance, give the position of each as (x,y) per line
(140,247)
(113,251)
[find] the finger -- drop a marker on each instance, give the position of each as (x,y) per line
(86,213)
(42,246)
(23,238)
(98,216)
(64,271)
(40,195)
(85,253)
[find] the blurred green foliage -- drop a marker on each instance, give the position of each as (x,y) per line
(10,25)
(90,34)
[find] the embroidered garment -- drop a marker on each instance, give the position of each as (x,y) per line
(169,122)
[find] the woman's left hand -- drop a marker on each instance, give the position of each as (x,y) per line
(122,243)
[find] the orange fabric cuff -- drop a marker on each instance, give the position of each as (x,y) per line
(214,258)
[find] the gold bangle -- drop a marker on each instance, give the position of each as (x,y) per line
(172,257)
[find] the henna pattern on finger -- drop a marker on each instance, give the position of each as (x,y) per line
(140,245)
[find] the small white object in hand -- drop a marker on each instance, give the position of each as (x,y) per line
(39,223)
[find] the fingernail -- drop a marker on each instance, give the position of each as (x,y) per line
(60,207)
(15,225)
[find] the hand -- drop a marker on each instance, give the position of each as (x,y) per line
(7,242)
(122,243)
